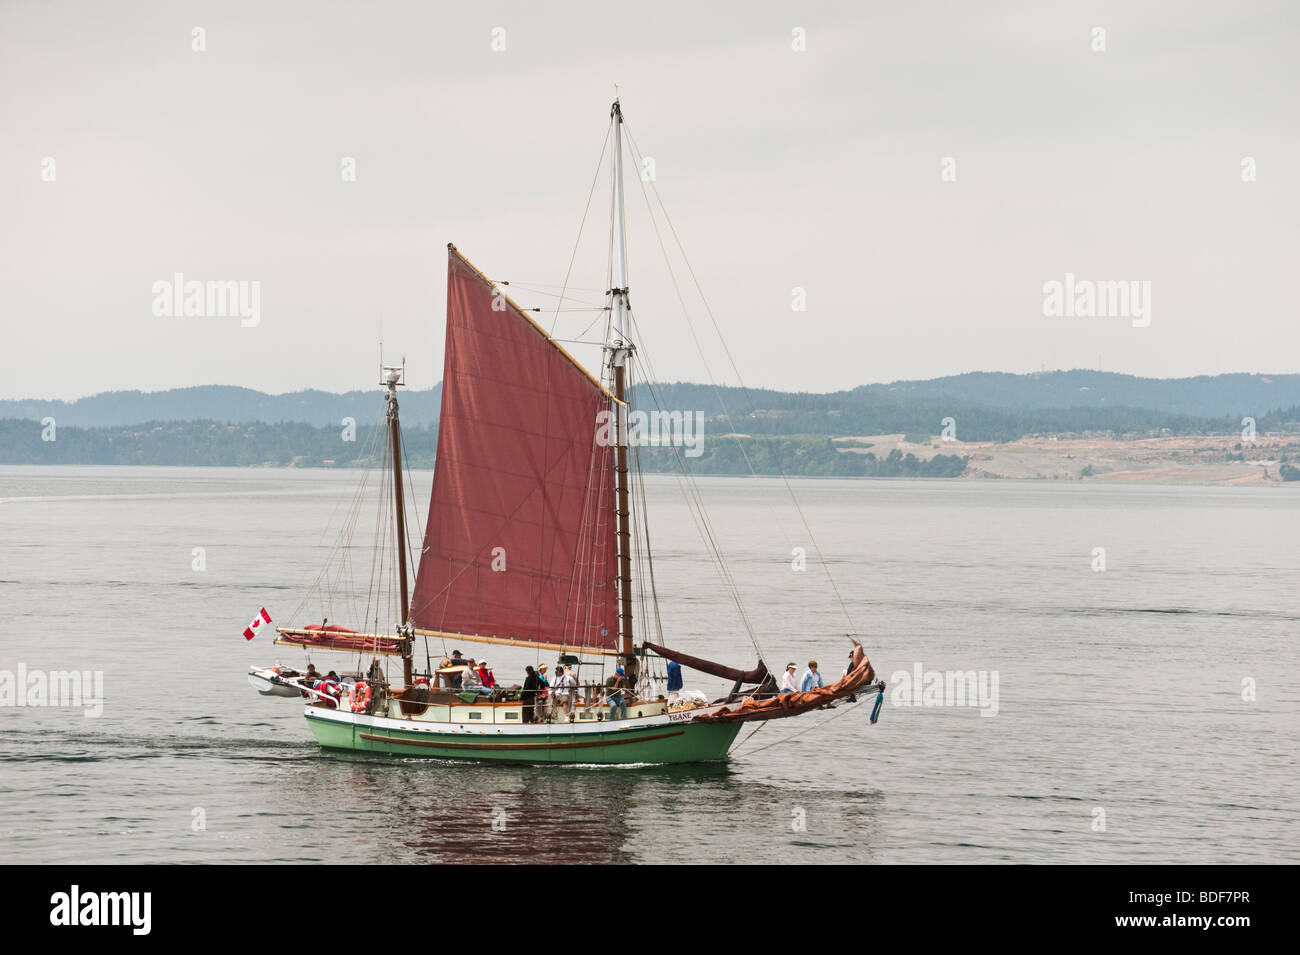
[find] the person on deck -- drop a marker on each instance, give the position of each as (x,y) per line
(566,687)
(543,696)
(531,685)
(485,676)
(674,680)
(311,674)
(848,668)
(456,661)
(632,669)
(330,688)
(470,681)
(788,684)
(811,678)
(616,696)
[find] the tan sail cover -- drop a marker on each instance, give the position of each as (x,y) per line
(330,637)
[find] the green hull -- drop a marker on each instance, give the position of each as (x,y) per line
(662,743)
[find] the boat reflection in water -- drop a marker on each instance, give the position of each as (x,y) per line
(397,811)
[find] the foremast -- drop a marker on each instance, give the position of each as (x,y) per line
(394,375)
(618,351)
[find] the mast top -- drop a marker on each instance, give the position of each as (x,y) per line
(391,376)
(619,325)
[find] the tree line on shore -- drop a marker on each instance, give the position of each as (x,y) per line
(790,440)
(291,444)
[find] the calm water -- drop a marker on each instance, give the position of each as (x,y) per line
(1118,690)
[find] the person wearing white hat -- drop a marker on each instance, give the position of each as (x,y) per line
(788,684)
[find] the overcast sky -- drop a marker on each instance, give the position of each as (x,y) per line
(817,169)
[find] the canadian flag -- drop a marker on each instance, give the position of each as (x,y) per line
(253,628)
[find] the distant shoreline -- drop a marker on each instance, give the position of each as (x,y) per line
(1174,460)
(1189,460)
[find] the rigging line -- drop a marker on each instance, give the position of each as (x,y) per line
(637,529)
(347,571)
(580,547)
(748,736)
(699,514)
(786,739)
(695,338)
(346,578)
(695,504)
(647,557)
(607,367)
(724,570)
(580,341)
(315,589)
(698,511)
(581,225)
(414,506)
(589,535)
(558,295)
(541,285)
(556,311)
(605,308)
(379,547)
(649,554)
(744,390)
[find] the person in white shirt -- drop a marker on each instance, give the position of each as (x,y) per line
(565,687)
(788,684)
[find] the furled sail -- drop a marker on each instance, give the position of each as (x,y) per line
(858,679)
(520,544)
(756,675)
(330,637)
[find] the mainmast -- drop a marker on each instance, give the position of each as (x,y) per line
(394,375)
(619,350)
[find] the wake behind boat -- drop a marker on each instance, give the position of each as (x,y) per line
(536,537)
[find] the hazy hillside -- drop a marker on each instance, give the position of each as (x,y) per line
(864,412)
(215,425)
(226,404)
(1112,402)
(1235,395)
(1218,396)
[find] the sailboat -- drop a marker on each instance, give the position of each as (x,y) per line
(529,541)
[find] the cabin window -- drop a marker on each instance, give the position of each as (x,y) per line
(476,716)
(512,716)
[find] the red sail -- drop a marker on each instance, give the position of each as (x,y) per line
(520,542)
